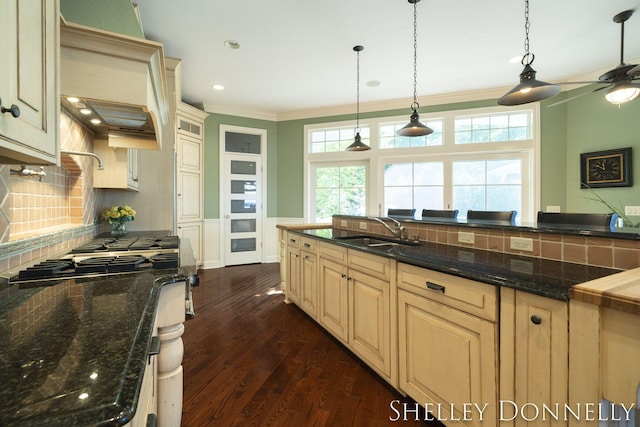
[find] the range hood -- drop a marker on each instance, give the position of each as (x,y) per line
(116,79)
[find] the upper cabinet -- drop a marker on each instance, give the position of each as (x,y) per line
(29,93)
(120,79)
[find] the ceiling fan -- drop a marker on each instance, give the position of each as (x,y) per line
(618,81)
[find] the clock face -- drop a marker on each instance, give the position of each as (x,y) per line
(605,169)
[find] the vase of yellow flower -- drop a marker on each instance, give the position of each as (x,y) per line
(118,216)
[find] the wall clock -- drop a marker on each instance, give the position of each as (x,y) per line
(608,168)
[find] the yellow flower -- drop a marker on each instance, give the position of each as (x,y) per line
(118,214)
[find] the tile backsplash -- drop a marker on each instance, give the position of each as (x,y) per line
(43,215)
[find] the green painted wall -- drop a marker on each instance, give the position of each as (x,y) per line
(117,16)
(553,153)
(593,125)
(212,161)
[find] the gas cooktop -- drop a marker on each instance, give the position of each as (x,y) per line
(104,256)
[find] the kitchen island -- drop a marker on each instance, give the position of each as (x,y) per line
(456,314)
(78,351)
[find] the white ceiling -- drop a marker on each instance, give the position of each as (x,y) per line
(297,55)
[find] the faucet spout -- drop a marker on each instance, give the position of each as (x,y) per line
(399,230)
(82,153)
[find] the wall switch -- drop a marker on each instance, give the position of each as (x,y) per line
(465,237)
(552,208)
(521,244)
(632,210)
(343,223)
(363,226)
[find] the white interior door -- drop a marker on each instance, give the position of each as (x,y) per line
(242,202)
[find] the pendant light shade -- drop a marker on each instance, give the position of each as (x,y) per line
(357,144)
(529,89)
(415,128)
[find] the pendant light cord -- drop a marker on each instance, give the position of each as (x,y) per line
(415,104)
(358,91)
(527,58)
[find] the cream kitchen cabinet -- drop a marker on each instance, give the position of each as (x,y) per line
(189,153)
(302,273)
(357,304)
(333,292)
(448,339)
(29,90)
(120,166)
(293,269)
(534,362)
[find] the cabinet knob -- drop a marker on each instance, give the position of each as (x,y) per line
(14,110)
(536,320)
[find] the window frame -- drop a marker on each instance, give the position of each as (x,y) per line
(376,158)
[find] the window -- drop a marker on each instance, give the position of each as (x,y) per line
(336,139)
(493,128)
(481,159)
(419,184)
(390,139)
(339,190)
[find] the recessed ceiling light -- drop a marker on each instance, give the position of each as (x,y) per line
(232,44)
(85,111)
(373,83)
(218,86)
(72,99)
(96,121)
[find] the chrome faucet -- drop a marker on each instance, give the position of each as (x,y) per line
(399,231)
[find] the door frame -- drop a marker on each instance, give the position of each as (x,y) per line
(223,200)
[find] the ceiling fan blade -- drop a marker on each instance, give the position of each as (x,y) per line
(571,98)
(580,83)
(634,71)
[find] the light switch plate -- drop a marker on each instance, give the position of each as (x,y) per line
(521,244)
(363,225)
(466,237)
(343,223)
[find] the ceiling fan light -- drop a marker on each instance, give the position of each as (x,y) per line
(529,89)
(622,92)
(414,127)
(358,145)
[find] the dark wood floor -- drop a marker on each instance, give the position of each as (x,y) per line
(252,360)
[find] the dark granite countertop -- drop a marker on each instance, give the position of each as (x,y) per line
(535,275)
(73,352)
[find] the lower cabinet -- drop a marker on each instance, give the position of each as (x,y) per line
(534,361)
(448,356)
(356,305)
(301,284)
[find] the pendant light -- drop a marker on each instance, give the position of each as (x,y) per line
(529,89)
(415,128)
(358,145)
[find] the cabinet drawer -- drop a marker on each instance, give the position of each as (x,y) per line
(334,252)
(467,295)
(374,265)
(293,240)
(308,244)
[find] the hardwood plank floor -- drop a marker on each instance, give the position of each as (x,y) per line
(252,360)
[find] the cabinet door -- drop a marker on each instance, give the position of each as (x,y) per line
(132,167)
(28,80)
(189,157)
(332,281)
(309,288)
(447,357)
(193,232)
(293,276)
(534,354)
(369,320)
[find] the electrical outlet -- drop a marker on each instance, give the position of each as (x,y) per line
(465,237)
(632,210)
(521,244)
(343,223)
(363,225)
(552,208)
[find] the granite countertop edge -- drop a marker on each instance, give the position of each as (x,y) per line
(475,271)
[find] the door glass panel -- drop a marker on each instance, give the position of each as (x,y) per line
(243,245)
(243,206)
(243,187)
(241,143)
(243,225)
(243,168)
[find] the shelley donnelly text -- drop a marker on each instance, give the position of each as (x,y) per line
(509,410)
